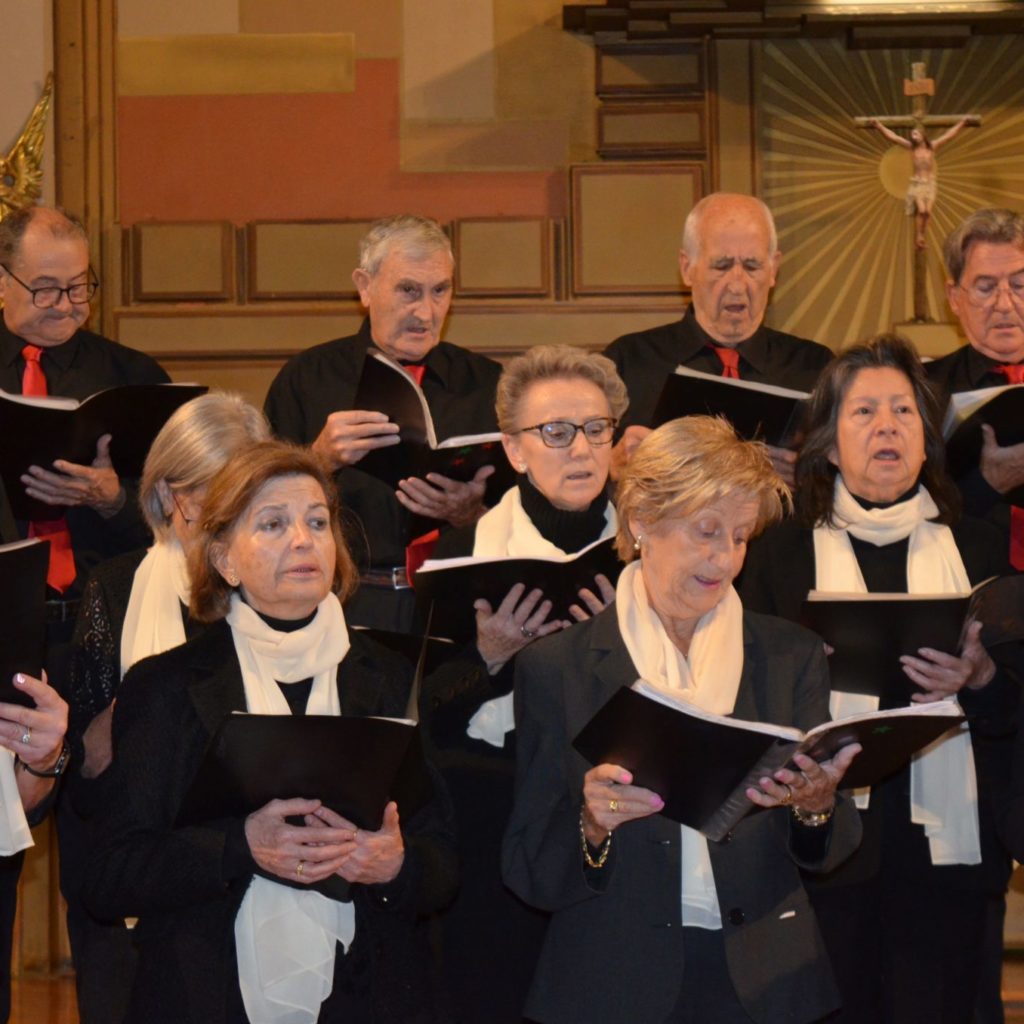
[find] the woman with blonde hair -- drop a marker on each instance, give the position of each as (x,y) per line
(649,920)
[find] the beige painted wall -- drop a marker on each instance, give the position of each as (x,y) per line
(23,70)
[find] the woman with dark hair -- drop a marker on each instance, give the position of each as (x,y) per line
(231,928)
(875,512)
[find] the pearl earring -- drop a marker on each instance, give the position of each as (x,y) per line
(637,543)
(521,467)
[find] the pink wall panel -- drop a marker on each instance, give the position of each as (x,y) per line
(325,155)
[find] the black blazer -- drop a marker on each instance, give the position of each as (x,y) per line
(614,947)
(778,574)
(185,884)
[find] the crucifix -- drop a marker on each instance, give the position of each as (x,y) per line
(923,185)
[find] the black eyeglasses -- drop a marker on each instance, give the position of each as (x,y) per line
(562,433)
(49,295)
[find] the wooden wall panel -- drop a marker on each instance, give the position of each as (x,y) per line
(303,260)
(182,262)
(503,257)
(626,226)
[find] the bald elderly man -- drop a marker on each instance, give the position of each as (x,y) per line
(729,260)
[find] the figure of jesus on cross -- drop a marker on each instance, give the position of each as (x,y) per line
(923,185)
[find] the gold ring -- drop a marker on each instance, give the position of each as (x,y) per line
(613,805)
(298,869)
(788,798)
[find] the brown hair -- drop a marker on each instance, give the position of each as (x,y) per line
(815,472)
(686,465)
(231,493)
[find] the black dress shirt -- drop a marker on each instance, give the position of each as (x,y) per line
(84,364)
(646,358)
(967,369)
(459,386)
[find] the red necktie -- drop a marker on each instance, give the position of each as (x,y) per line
(419,549)
(730,361)
(1014,374)
(61,571)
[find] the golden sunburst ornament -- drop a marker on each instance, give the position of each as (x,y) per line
(838,192)
(21,170)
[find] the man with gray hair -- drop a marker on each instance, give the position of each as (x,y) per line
(729,260)
(984,260)
(404,280)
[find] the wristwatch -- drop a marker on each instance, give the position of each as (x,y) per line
(50,773)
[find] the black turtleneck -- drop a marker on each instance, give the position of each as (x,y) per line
(884,568)
(566,529)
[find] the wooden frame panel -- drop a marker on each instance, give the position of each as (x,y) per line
(472,235)
(610,116)
(626,223)
(657,56)
(144,289)
(340,252)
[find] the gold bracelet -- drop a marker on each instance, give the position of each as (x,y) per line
(812,819)
(605,847)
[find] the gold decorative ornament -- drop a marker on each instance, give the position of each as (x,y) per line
(21,170)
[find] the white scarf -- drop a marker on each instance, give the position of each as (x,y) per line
(286,938)
(709,677)
(506,531)
(153,623)
(943,785)
(15,835)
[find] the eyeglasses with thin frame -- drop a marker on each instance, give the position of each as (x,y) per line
(181,512)
(49,295)
(985,290)
(562,433)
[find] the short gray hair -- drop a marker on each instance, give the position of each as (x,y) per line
(995,226)
(13,227)
(695,221)
(414,236)
(193,446)
(556,362)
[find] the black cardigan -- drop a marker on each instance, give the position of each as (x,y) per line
(183,883)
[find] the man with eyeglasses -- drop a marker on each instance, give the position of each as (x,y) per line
(404,280)
(729,259)
(984,259)
(46,283)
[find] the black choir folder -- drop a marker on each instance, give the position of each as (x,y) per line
(36,431)
(1000,407)
(385,387)
(23,567)
(763,412)
(453,584)
(702,764)
(869,632)
(354,766)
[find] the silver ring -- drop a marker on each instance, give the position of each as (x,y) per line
(26,736)
(528,633)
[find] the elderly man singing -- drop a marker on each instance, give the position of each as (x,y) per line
(404,279)
(729,260)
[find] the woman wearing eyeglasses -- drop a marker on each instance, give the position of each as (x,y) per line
(557,407)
